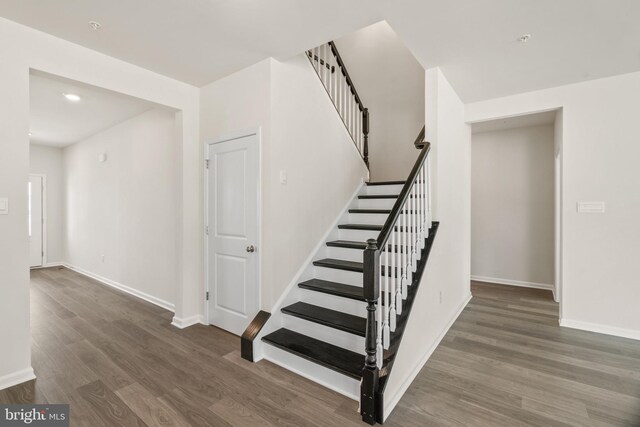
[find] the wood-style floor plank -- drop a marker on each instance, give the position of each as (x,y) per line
(505,362)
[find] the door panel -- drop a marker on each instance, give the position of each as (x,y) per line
(35,222)
(232,206)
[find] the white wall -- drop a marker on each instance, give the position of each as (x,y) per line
(512,205)
(390,82)
(301,134)
(448,270)
(122,208)
(48,161)
(600,149)
(22,48)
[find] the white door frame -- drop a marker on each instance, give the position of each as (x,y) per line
(44,216)
(225,138)
(558,198)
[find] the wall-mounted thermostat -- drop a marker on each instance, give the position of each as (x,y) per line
(590,207)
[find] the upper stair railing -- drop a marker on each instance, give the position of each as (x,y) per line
(330,68)
(389,264)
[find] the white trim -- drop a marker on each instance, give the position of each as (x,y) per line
(511,282)
(16,378)
(186,322)
(131,291)
(43,200)
(230,136)
(405,385)
(275,318)
(601,329)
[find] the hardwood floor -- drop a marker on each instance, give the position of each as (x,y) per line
(505,362)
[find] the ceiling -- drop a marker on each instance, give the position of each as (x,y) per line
(527,120)
(474,42)
(58,122)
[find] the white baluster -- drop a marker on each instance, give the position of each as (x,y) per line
(386,334)
(405,270)
(414,225)
(397,271)
(429,190)
(316,59)
(392,294)
(380,322)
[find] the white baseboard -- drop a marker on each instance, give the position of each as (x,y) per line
(510,282)
(414,373)
(131,291)
(181,323)
(601,329)
(16,378)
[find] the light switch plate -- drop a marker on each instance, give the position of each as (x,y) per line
(4,206)
(590,207)
(283,177)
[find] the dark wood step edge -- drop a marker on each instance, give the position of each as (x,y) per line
(249,335)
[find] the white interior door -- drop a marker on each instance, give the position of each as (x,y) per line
(36,221)
(233,230)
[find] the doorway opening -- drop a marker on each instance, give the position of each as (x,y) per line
(104,187)
(516,172)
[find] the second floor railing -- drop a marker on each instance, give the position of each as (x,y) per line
(333,73)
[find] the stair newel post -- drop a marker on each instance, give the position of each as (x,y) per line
(370,373)
(365,133)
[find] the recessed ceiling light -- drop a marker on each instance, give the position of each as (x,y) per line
(72,97)
(524,38)
(30,134)
(95,26)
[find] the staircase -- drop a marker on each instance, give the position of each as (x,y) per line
(341,322)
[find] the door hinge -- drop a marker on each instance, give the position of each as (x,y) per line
(206,163)
(206,230)
(207,296)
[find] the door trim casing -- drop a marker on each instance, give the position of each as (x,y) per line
(44,218)
(230,136)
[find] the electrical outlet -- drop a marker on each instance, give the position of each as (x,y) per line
(440,297)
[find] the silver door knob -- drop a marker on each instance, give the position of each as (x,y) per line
(251,248)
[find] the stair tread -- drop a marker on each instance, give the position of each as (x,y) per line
(378,196)
(340,264)
(334,319)
(386,182)
(374,227)
(370,211)
(328,355)
(333,288)
(349,244)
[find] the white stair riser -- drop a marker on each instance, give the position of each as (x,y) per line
(325,376)
(358,235)
(333,302)
(327,334)
(383,189)
(367,218)
(345,254)
(340,276)
(376,203)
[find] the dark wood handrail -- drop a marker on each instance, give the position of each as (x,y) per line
(402,198)
(334,49)
(419,142)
